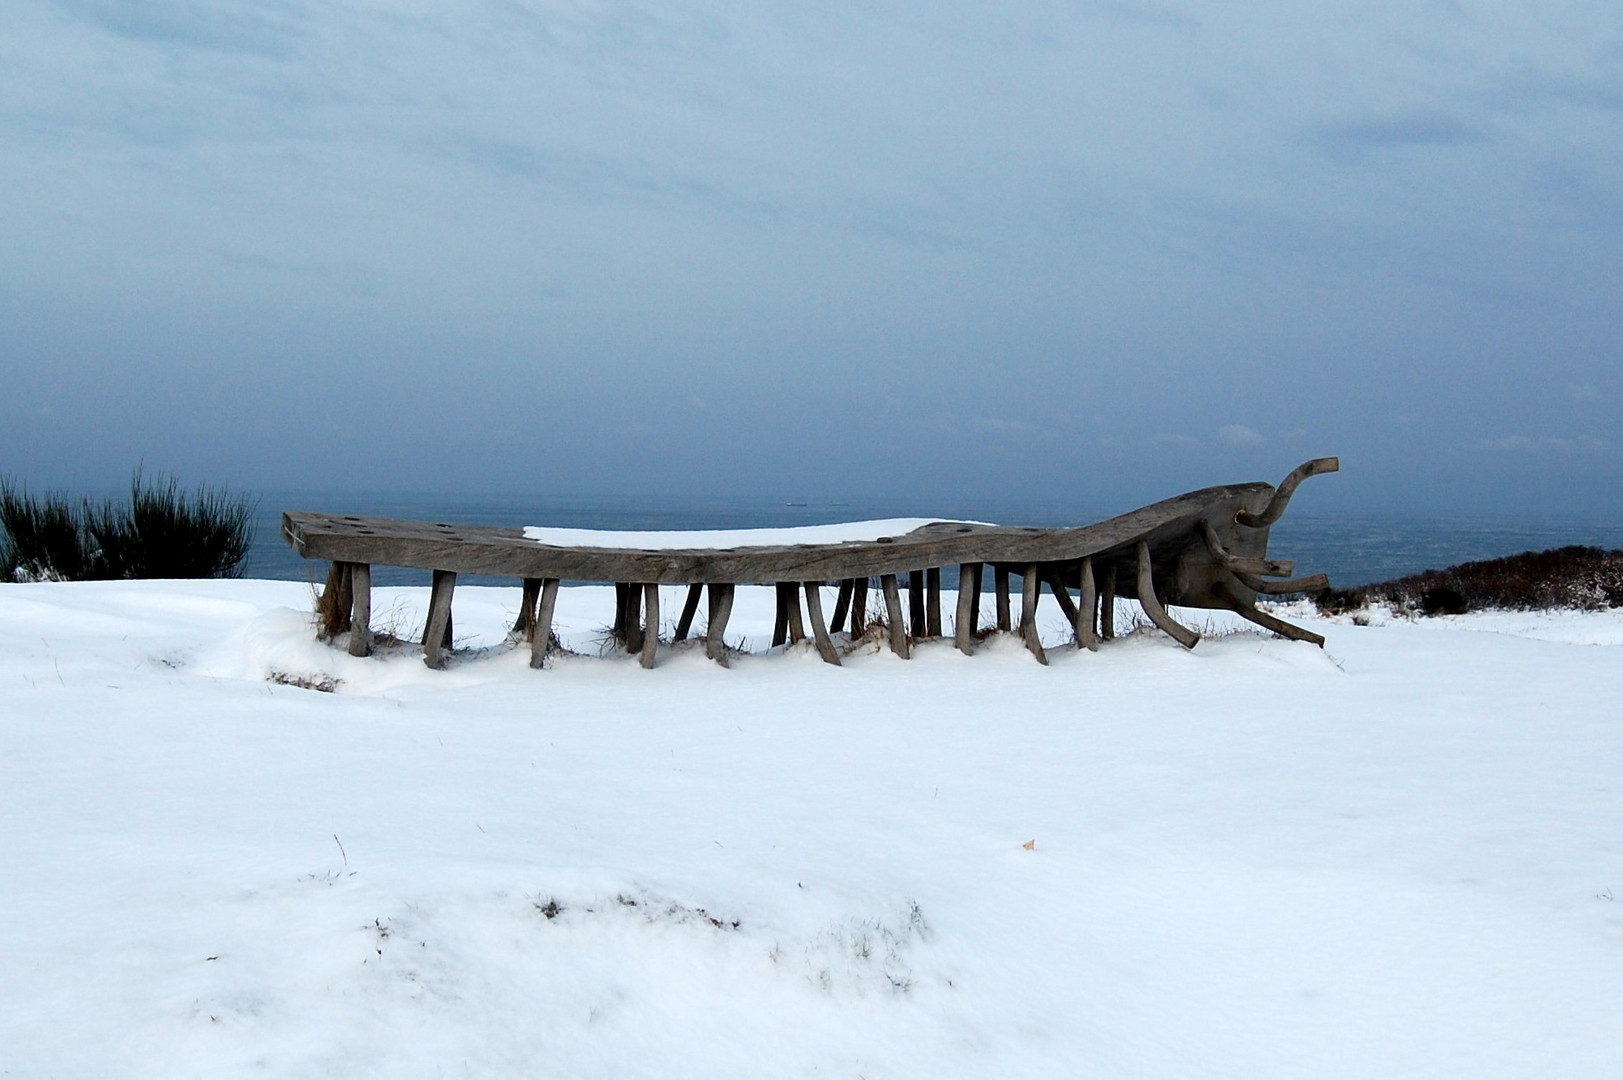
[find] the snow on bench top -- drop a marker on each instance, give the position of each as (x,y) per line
(726,539)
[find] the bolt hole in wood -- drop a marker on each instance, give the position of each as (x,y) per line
(1203,549)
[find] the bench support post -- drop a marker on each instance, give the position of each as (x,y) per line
(541,629)
(437,631)
(1087,611)
(814,613)
(1152,604)
(721,606)
(650,632)
(690,607)
(360,625)
(1030,591)
(893,612)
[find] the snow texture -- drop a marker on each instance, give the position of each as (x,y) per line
(726,539)
(1399,857)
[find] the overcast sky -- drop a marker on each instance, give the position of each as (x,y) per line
(1093,252)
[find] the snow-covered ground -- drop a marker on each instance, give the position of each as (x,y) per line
(1400,857)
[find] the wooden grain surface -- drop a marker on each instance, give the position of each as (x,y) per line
(1169,526)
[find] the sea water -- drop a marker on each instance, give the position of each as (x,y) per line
(1353,550)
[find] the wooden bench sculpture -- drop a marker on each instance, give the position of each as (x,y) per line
(1206,549)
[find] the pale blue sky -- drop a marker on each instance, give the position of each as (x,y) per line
(845,249)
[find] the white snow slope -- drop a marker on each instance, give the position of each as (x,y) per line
(1402,857)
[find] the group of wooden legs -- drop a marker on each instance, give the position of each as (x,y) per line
(346,604)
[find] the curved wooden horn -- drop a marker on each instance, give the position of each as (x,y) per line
(1287,487)
(1254,581)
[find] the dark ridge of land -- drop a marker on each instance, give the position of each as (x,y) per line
(1572,578)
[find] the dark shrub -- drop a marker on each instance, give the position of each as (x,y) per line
(43,537)
(167,533)
(1340,601)
(163,532)
(1443,600)
(1569,577)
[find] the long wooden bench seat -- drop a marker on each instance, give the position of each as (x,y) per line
(1203,549)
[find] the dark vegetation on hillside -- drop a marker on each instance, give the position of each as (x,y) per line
(160,532)
(1583,578)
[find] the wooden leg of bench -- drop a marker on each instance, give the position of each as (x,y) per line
(1030,590)
(721,606)
(893,612)
(859,607)
(333,606)
(1152,604)
(633,626)
(915,605)
(780,619)
(814,613)
(650,633)
(689,608)
(1107,605)
(1088,610)
(1000,579)
(1263,619)
(797,625)
(969,598)
(932,601)
(541,638)
(842,606)
(524,626)
(975,611)
(438,628)
(619,625)
(360,625)
(1056,585)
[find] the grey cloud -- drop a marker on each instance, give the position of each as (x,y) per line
(265,29)
(1524,444)
(1358,136)
(1240,435)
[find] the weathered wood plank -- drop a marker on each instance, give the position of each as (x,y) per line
(1152,606)
(360,626)
(1000,579)
(437,628)
(1088,610)
(814,613)
(471,549)
(650,630)
(969,599)
(842,605)
(859,607)
(893,613)
(1030,591)
(541,632)
(690,608)
(721,608)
